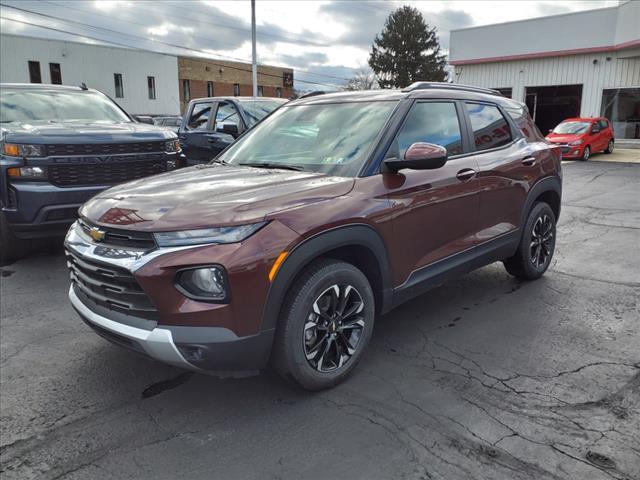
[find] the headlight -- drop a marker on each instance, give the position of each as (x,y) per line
(27,173)
(172,145)
(203,283)
(20,150)
(207,235)
(576,142)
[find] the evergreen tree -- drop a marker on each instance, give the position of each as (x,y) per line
(407,51)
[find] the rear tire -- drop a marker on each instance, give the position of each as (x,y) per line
(586,154)
(535,251)
(325,325)
(610,146)
(11,247)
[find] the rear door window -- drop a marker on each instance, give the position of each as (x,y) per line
(199,117)
(490,128)
(227,114)
(430,122)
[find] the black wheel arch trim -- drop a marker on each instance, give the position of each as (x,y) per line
(547,184)
(313,247)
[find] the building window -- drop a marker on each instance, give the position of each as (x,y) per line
(151,86)
(236,89)
(186,90)
(56,73)
(209,89)
(621,106)
(260,91)
(34,72)
(117,79)
(278,92)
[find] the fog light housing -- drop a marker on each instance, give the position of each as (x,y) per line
(207,284)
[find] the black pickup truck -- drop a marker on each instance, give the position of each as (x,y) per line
(61,145)
(204,134)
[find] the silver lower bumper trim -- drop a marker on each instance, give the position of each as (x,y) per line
(157,343)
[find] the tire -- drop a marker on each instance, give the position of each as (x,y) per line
(321,356)
(534,253)
(610,146)
(586,154)
(11,247)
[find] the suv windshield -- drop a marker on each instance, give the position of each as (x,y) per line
(256,110)
(24,105)
(328,138)
(572,127)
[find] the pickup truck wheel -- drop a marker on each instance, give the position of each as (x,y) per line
(537,244)
(610,146)
(11,248)
(325,326)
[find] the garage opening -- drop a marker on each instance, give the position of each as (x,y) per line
(550,105)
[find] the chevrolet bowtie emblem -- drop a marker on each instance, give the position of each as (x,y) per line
(96,234)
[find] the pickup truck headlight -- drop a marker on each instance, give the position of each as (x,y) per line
(576,142)
(203,283)
(207,235)
(22,150)
(172,146)
(27,173)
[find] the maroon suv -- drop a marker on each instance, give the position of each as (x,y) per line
(333,210)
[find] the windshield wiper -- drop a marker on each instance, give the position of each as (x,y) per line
(220,161)
(283,166)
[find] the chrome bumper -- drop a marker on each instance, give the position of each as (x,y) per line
(157,343)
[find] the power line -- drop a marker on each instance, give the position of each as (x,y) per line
(206,62)
(117,32)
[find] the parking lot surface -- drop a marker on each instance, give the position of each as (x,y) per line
(484,377)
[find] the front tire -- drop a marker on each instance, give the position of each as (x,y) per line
(610,146)
(325,325)
(586,154)
(537,244)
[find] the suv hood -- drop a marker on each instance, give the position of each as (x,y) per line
(47,132)
(209,195)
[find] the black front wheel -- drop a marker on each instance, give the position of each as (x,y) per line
(325,325)
(537,244)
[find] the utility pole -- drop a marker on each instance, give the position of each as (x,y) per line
(254,67)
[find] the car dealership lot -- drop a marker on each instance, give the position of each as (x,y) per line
(483,377)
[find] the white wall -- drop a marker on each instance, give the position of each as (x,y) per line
(589,29)
(95,66)
(622,70)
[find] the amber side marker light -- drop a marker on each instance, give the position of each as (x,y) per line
(276,265)
(13,172)
(11,149)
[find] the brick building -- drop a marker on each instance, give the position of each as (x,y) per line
(201,77)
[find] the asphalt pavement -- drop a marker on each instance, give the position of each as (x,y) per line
(484,377)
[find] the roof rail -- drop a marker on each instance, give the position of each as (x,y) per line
(448,86)
(312,94)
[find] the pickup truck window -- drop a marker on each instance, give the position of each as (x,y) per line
(20,105)
(226,115)
(199,117)
(257,110)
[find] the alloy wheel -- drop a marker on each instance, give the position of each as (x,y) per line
(587,153)
(610,146)
(333,328)
(542,241)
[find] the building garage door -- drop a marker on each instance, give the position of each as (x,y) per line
(550,105)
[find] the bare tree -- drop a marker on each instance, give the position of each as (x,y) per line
(362,80)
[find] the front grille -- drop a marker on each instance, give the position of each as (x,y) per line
(121,238)
(104,148)
(110,286)
(103,173)
(566,149)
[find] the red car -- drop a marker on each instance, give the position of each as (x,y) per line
(580,137)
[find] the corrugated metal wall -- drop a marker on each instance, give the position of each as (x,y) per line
(611,70)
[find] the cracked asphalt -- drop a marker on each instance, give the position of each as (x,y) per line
(481,378)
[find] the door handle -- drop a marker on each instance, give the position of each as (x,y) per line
(529,161)
(211,139)
(466,174)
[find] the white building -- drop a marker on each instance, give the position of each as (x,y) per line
(576,64)
(142,82)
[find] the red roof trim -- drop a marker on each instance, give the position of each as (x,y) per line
(555,53)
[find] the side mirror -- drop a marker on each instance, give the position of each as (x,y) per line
(419,156)
(230,128)
(551,130)
(145,119)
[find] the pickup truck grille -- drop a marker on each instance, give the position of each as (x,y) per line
(109,286)
(104,148)
(103,173)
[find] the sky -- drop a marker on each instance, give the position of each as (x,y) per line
(326,42)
